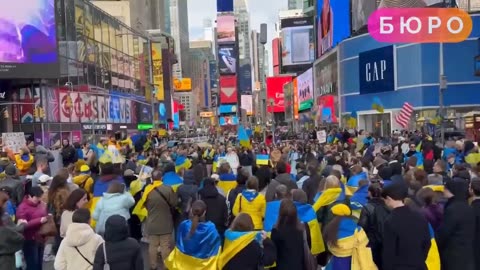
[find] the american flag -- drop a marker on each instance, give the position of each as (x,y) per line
(403,117)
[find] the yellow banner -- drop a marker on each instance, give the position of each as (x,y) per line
(182,85)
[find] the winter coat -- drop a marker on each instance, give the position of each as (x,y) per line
(32,213)
(82,237)
(252,203)
(112,204)
(11,241)
(476,248)
(217,211)
(123,252)
(289,245)
(434,215)
(456,234)
(282,179)
(159,220)
(65,221)
(187,192)
(264,175)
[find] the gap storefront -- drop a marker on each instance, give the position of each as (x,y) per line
(407,73)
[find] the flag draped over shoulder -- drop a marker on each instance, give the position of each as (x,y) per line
(352,243)
(271,215)
(140,211)
(433,257)
(243,137)
(173,180)
(234,243)
(307,215)
(199,251)
(358,200)
(328,197)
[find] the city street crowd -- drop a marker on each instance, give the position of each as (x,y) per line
(354,202)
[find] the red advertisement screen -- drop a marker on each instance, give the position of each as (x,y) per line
(275,97)
(228,89)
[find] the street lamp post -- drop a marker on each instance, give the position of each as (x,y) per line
(441,89)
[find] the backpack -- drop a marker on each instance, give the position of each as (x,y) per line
(378,214)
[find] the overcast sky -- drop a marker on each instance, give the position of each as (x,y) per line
(261,11)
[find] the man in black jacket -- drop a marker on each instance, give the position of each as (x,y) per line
(456,234)
(475,190)
(406,236)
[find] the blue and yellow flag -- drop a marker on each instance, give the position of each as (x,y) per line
(227,182)
(182,163)
(139,210)
(199,251)
(352,183)
(377,105)
(173,180)
(352,243)
(328,197)
(216,162)
(271,215)
(358,200)
(234,243)
(263,159)
(307,215)
(433,257)
(243,137)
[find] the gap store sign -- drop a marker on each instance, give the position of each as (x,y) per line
(377,70)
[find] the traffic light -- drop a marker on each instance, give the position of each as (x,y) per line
(35,112)
(6,115)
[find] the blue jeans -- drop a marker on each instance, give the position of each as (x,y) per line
(33,253)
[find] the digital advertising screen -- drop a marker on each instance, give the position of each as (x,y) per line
(297,41)
(227,60)
(326,89)
(275,97)
(228,89)
(361,10)
(225,29)
(144,113)
(305,90)
(333,23)
(28,39)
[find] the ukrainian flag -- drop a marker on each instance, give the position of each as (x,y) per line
(352,183)
(307,215)
(263,159)
(100,187)
(328,197)
(377,105)
(234,243)
(215,162)
(173,180)
(227,182)
(199,251)
(139,210)
(272,211)
(358,201)
(433,257)
(351,251)
(182,163)
(243,137)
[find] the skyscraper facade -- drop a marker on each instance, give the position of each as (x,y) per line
(243,23)
(295,4)
(179,31)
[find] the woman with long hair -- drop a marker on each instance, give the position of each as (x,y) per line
(57,197)
(197,244)
(244,248)
(288,236)
(77,199)
(116,201)
(347,242)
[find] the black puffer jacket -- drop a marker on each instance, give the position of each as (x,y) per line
(217,211)
(187,192)
(123,252)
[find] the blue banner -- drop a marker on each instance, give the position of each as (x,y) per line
(224,5)
(377,71)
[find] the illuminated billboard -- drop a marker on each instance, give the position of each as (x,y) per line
(297,38)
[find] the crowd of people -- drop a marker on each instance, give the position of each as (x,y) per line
(352,203)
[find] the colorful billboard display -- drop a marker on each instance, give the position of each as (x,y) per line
(182,85)
(275,98)
(228,89)
(28,40)
(333,23)
(227,59)
(247,104)
(305,90)
(225,29)
(298,47)
(326,89)
(157,64)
